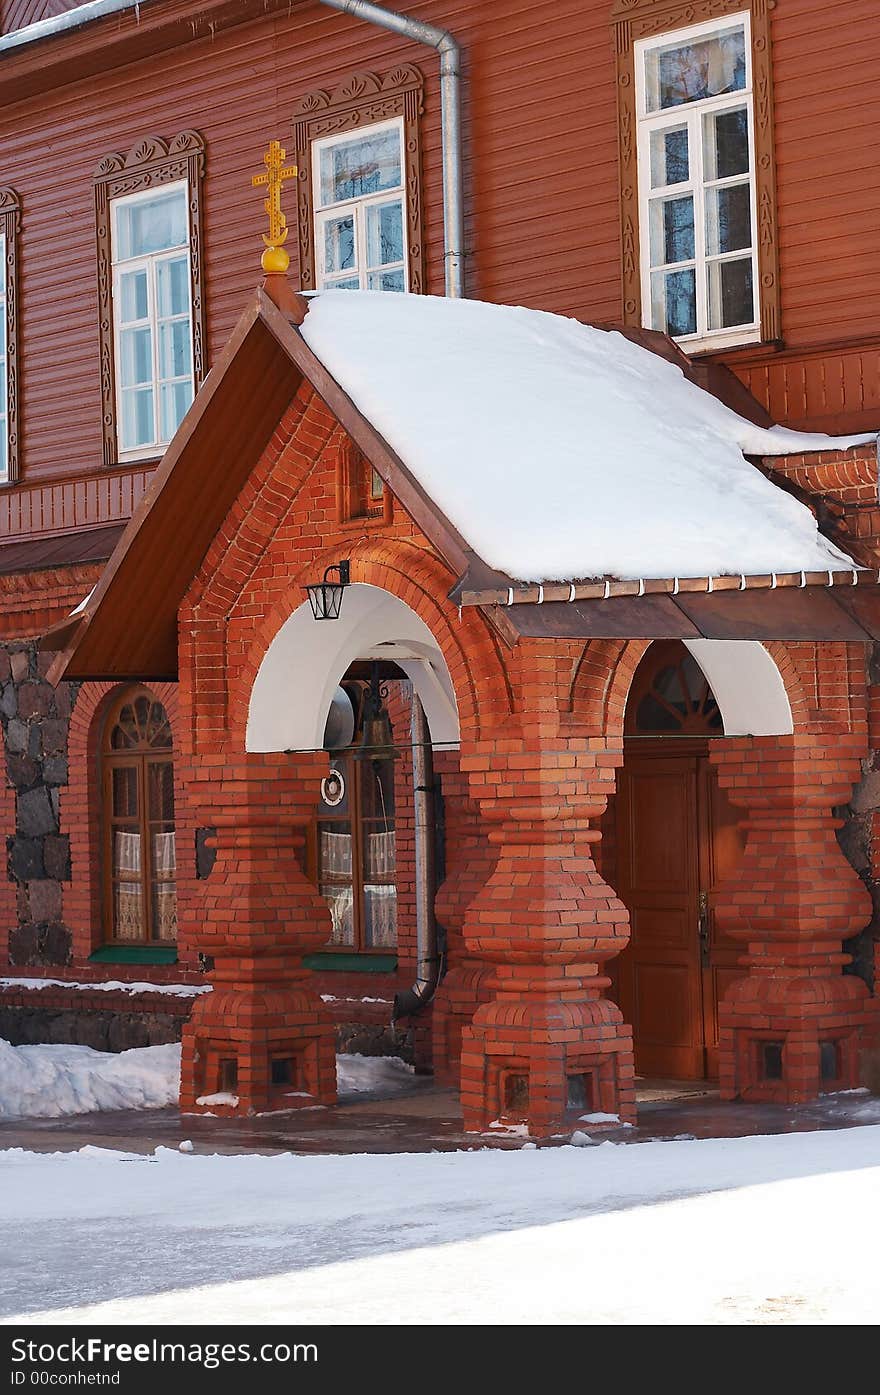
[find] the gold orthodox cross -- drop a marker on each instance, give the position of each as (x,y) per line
(275,258)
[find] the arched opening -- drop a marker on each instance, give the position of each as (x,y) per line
(307,660)
(676,837)
(137,804)
(374,852)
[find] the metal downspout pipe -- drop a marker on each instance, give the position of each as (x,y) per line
(450,100)
(428,957)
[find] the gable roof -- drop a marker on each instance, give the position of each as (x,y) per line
(128,626)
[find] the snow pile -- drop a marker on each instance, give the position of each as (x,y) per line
(361,1075)
(560,451)
(46,1082)
(175,990)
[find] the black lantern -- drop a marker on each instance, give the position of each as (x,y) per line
(377,741)
(325,596)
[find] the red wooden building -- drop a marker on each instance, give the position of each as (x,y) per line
(649,804)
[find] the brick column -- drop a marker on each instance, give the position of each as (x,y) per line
(548,1047)
(791,1028)
(469,861)
(262,1037)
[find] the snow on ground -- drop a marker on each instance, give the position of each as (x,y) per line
(46,1082)
(781,1229)
(642,473)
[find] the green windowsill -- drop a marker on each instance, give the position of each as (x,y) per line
(352,963)
(134,954)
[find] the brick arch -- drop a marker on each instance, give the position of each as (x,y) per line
(603,677)
(420,581)
(601,683)
(81,804)
(802,710)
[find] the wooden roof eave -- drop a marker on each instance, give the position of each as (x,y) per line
(789,611)
(145,580)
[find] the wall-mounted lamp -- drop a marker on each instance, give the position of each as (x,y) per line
(325,597)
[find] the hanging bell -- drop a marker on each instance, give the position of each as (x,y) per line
(377,741)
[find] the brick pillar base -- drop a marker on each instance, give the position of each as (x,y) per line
(543,1053)
(548,1048)
(792,1028)
(465,986)
(262,1040)
(463,990)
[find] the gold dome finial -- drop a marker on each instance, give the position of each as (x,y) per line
(275,257)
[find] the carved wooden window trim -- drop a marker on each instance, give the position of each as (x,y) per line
(10,222)
(633,20)
(149,164)
(364,99)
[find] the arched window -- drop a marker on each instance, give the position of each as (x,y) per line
(670,695)
(140,900)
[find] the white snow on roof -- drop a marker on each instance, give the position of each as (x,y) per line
(560,451)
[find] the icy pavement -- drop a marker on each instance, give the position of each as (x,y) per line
(779,1229)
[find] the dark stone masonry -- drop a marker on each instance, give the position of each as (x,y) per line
(34,717)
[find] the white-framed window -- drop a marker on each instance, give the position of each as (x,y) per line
(697,204)
(152,316)
(360,223)
(4,367)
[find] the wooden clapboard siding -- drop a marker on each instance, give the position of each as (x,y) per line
(827,118)
(541,177)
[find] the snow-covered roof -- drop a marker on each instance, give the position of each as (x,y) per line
(560,451)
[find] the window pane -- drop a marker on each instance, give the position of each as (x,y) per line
(125,802)
(164,908)
(728,218)
(380,917)
(377,791)
(726,143)
(175,402)
(172,278)
(672,230)
(348,283)
(363,165)
(731,295)
(151,225)
(689,72)
(136,355)
(669,157)
(133,296)
(674,301)
(385,233)
(160,793)
(379,853)
(386,280)
(341,903)
(128,918)
(334,851)
(137,418)
(126,854)
(339,244)
(174,349)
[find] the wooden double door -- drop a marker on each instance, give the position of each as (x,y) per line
(677,837)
